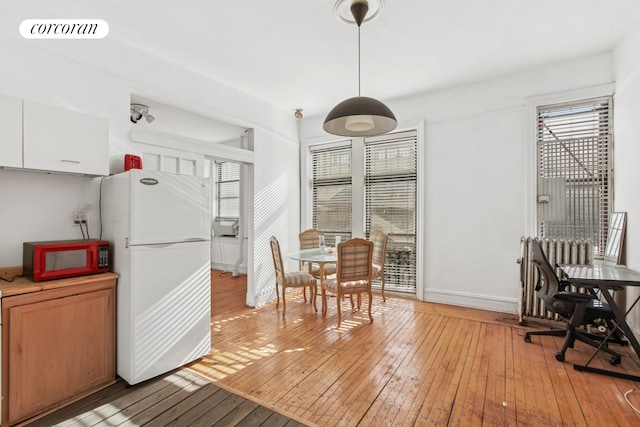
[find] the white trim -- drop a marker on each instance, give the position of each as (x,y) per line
(466,299)
(530,168)
(219,151)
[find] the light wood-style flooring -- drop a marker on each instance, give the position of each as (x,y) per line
(417,364)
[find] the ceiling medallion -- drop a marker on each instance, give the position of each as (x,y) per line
(342,10)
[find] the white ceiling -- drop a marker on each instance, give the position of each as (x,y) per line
(296,54)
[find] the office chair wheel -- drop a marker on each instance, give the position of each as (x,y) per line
(527,337)
(560,356)
(615,360)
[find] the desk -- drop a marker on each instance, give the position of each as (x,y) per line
(606,278)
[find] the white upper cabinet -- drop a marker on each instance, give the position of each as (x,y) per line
(60,140)
(10,132)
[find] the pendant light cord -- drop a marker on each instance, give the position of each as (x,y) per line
(358,60)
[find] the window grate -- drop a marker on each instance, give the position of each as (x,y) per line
(575,144)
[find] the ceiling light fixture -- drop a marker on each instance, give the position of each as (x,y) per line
(360,115)
(139,111)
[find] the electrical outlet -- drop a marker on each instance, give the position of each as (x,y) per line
(79,217)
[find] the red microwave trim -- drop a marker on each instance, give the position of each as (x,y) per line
(35,254)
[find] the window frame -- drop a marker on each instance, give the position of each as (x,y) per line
(407,142)
(358,215)
(531,157)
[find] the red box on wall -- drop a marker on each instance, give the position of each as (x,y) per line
(132,162)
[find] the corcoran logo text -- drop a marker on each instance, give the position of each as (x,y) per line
(64,29)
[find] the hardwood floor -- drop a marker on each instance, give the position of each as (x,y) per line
(416,364)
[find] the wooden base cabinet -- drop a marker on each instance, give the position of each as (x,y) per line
(58,346)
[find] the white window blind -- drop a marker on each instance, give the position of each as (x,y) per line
(574,143)
(390,202)
(228,190)
(331,191)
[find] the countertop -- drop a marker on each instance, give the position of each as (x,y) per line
(22,285)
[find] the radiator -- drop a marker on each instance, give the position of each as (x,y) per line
(557,251)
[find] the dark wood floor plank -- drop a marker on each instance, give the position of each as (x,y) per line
(173,412)
(195,413)
(218,412)
(257,417)
(238,414)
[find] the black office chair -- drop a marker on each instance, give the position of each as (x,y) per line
(576,308)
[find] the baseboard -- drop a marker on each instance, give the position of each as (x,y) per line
(228,267)
(463,299)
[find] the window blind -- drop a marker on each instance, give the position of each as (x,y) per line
(390,202)
(228,190)
(331,191)
(574,143)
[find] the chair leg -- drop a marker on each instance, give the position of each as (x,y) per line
(277,296)
(594,343)
(382,287)
(339,303)
(370,302)
(284,300)
(313,290)
(324,303)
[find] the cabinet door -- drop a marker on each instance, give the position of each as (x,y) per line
(60,140)
(59,349)
(10,132)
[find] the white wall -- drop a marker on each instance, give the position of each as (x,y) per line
(274,214)
(627,149)
(476,167)
(99,78)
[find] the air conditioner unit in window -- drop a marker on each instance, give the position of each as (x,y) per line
(225,228)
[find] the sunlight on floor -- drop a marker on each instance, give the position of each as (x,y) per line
(221,364)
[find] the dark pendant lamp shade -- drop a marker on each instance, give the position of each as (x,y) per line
(360,116)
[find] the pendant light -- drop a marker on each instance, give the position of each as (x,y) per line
(360,115)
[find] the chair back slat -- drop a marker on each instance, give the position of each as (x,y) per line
(354,260)
(379,239)
(278,266)
(309,238)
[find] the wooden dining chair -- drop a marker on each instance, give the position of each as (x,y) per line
(294,279)
(353,275)
(309,240)
(379,239)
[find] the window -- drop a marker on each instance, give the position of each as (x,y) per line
(331,191)
(390,203)
(169,160)
(574,146)
(386,171)
(227,191)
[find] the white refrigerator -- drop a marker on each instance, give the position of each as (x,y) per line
(159,228)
